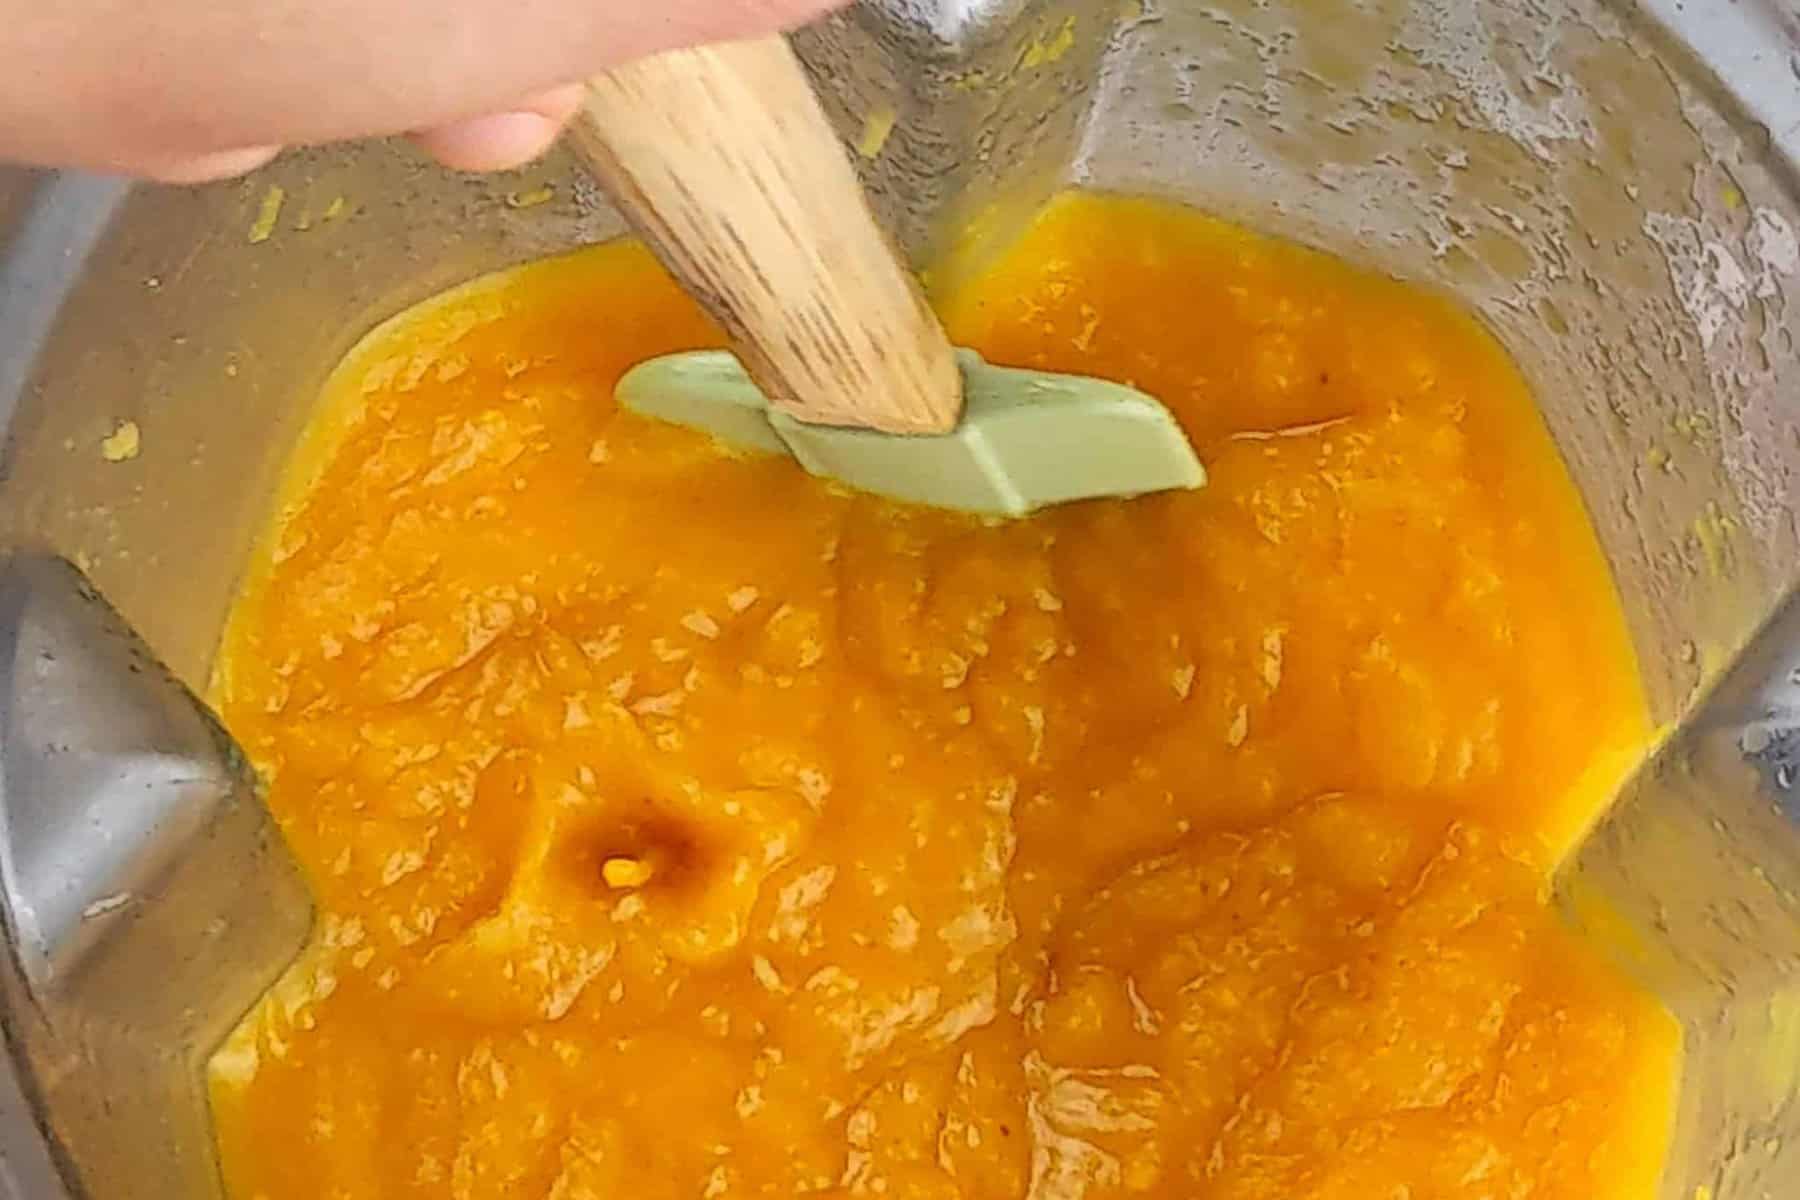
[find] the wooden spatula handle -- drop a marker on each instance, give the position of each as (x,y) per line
(724,159)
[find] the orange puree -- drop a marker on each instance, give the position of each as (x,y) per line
(683,827)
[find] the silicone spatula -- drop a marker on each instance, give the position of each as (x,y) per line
(724,159)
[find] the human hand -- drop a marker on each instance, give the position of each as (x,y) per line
(190,90)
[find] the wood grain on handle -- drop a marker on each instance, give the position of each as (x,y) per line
(724,159)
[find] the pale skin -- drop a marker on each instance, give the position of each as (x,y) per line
(185,91)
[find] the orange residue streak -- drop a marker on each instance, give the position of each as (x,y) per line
(1191,846)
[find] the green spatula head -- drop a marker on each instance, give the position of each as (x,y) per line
(1027,439)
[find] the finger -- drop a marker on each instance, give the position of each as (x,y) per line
(684,22)
(108,79)
(502,141)
(204,168)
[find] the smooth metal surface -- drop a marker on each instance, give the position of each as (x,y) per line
(1748,45)
(1693,883)
(107,772)
(146,897)
(61,219)
(29,1168)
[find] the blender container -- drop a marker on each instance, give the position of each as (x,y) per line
(1609,184)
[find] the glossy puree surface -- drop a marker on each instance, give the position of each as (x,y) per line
(684,828)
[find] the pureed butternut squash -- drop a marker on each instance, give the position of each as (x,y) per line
(684,827)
